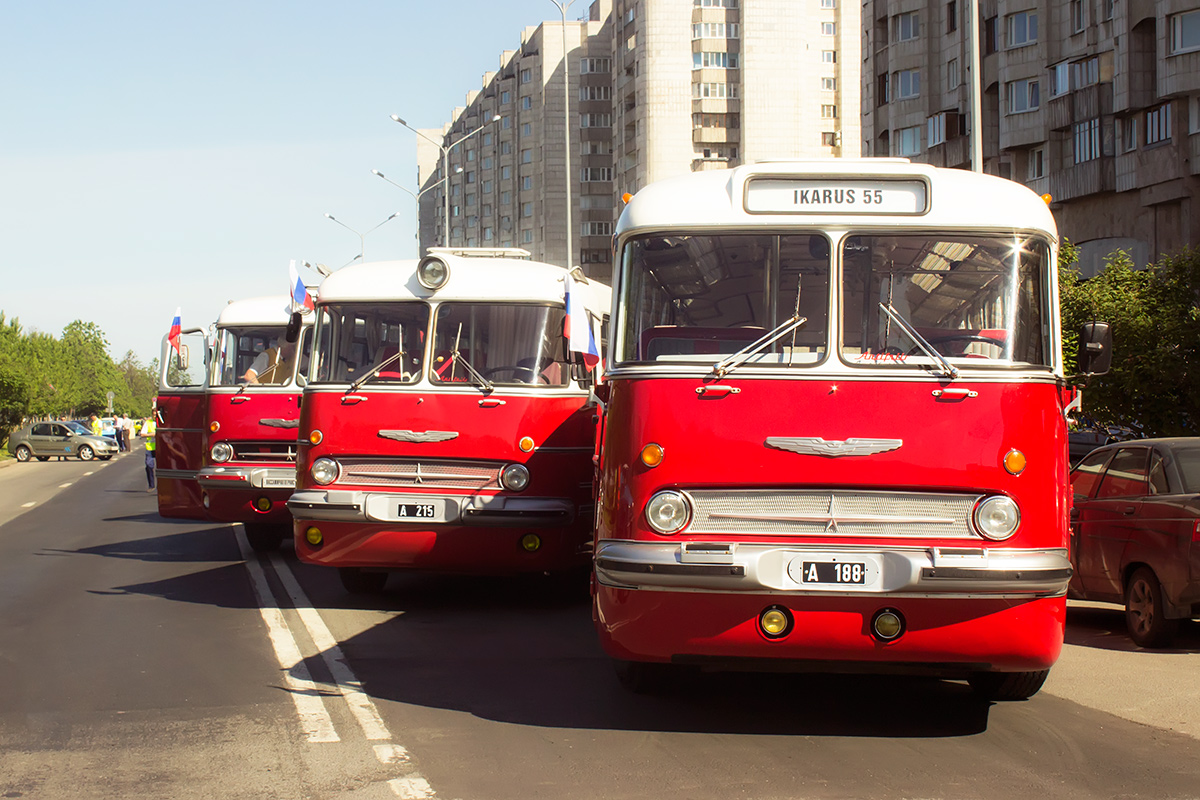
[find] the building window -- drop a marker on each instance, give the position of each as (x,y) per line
(595,120)
(883,89)
(1022,28)
(1185,32)
(1087,140)
(715,120)
(908,84)
(828,3)
(526,103)
(829,56)
(596,229)
(829,138)
(908,141)
(485,186)
(487,139)
(526,237)
(1158,124)
(828,111)
(714,59)
(470,155)
(589,201)
(829,29)
(591,65)
(527,129)
(505,172)
(470,176)
(454,211)
(718,90)
(1060,79)
(1077,18)
(505,198)
(1085,73)
(990,34)
(527,183)
(505,148)
(506,97)
(906,27)
(936,129)
(505,123)
(486,163)
(951,17)
(526,76)
(472,221)
(1023,96)
(591,174)
(487,234)
(1129,137)
(595,93)
(1194,114)
(1036,164)
(527,156)
(527,209)
(715,30)
(715,3)
(470,199)
(952,79)
(829,84)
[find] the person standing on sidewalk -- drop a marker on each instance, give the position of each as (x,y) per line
(148,434)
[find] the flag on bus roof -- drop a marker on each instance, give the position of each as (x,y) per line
(300,299)
(578,326)
(176,329)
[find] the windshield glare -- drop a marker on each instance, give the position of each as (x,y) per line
(516,344)
(262,350)
(697,299)
(355,338)
(978,299)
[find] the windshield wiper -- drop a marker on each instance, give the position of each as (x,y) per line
(483,383)
(375,371)
(947,368)
(732,362)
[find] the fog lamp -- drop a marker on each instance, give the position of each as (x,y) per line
(324,471)
(221,452)
(316,437)
(526,444)
(214,426)
(531,542)
(313,536)
(1014,462)
(432,273)
(887,624)
(652,455)
(514,477)
(263,504)
(775,622)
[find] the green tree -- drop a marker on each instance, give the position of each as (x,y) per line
(14,400)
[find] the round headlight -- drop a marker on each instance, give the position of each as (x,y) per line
(668,512)
(997,517)
(221,452)
(324,470)
(514,477)
(432,273)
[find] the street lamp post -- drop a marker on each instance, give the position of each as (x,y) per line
(362,236)
(415,196)
(562,7)
(445,149)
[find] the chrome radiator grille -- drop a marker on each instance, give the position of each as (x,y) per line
(414,473)
(265,452)
(832,513)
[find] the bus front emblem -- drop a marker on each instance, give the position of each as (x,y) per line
(817,446)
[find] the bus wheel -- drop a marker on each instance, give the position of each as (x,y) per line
(1007,685)
(357,581)
(642,677)
(1145,616)
(264,538)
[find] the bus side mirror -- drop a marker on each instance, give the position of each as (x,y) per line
(181,360)
(1095,348)
(293,327)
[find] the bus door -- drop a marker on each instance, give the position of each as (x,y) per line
(179,417)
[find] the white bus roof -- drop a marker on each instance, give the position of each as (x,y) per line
(271,310)
(472,278)
(718,199)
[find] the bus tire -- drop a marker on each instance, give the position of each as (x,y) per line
(1145,614)
(642,677)
(264,538)
(357,581)
(1004,686)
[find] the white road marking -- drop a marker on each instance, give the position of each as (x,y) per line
(29,505)
(63,485)
(88,473)
(413,788)
(314,717)
(391,754)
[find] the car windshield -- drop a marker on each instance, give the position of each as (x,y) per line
(504,343)
(1188,460)
(77,428)
(379,342)
(261,348)
(980,300)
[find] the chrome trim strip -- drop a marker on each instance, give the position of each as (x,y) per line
(350,506)
(738,567)
(252,477)
(176,474)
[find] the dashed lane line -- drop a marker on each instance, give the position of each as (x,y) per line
(30,504)
(63,485)
(314,717)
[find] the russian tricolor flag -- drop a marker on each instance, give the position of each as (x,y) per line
(176,329)
(300,298)
(578,327)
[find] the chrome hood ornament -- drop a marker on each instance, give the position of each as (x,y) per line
(419,437)
(816,446)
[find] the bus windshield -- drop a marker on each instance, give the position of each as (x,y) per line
(980,299)
(371,342)
(696,299)
(261,349)
(500,343)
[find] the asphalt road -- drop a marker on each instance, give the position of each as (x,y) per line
(145,658)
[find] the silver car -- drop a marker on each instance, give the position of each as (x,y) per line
(42,440)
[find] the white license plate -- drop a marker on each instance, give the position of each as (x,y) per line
(857,571)
(279,483)
(408,508)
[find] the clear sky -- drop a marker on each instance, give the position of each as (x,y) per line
(159,154)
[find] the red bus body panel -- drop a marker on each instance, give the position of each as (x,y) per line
(179,446)
(486,428)
(952,442)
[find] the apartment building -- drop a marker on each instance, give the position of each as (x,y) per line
(1095,102)
(657,88)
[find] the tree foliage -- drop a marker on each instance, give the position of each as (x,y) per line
(1154,384)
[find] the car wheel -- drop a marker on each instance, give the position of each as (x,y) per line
(1004,686)
(1145,616)
(86,453)
(264,538)
(23,453)
(357,581)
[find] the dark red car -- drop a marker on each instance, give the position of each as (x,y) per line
(1135,533)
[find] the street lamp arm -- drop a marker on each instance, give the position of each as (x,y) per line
(435,143)
(491,121)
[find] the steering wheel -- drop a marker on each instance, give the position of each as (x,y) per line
(533,374)
(960,337)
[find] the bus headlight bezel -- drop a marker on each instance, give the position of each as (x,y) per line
(325,471)
(515,477)
(221,452)
(433,273)
(668,512)
(996,517)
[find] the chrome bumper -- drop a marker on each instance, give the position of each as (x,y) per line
(775,569)
(335,505)
(247,477)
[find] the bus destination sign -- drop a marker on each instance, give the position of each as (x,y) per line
(835,196)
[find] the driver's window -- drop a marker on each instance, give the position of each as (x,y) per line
(1085,477)
(1126,475)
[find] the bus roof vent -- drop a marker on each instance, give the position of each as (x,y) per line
(482,252)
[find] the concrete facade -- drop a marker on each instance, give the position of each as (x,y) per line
(1095,102)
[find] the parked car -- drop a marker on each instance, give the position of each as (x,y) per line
(1135,533)
(41,440)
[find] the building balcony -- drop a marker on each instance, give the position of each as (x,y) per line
(1090,177)
(714,135)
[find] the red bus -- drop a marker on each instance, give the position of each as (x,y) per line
(445,427)
(835,437)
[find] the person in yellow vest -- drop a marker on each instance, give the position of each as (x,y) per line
(148,434)
(94,424)
(273,365)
